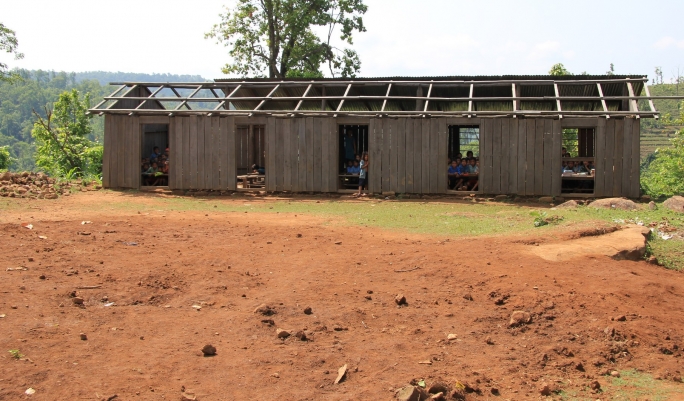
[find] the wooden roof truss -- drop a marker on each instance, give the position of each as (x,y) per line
(577,98)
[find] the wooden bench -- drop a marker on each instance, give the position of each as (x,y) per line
(253,180)
(349,181)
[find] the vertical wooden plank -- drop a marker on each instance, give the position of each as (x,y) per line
(333,154)
(548,173)
(401,155)
(325,154)
(193,151)
(372,152)
(442,150)
(513,156)
(609,171)
(318,153)
(425,155)
(627,158)
(221,152)
(287,154)
(635,182)
(177,153)
(121,149)
(231,152)
(216,154)
(599,179)
(172,146)
(185,151)
(556,162)
(408,154)
(208,153)
(309,154)
(106,150)
(529,156)
(271,152)
(394,155)
(539,157)
(278,149)
(200,152)
(386,158)
(136,150)
(505,155)
(128,150)
(617,156)
(435,163)
(294,152)
(495,171)
(486,161)
(417,156)
(301,185)
(522,156)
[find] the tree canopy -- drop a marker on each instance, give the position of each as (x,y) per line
(277,38)
(559,69)
(8,44)
(62,144)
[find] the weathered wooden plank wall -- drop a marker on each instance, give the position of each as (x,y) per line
(617,157)
(408,155)
(121,156)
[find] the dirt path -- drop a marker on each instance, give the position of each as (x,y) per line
(144,336)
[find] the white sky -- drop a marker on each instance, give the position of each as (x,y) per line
(405,37)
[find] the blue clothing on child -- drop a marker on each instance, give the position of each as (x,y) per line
(461,169)
(453,170)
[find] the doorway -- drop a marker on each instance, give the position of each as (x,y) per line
(464,158)
(154,166)
(251,156)
(352,144)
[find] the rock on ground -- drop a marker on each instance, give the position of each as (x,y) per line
(614,203)
(626,244)
(209,350)
(411,393)
(675,203)
(519,317)
(571,204)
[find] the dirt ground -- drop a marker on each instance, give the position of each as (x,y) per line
(158,286)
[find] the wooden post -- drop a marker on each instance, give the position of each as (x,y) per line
(470,99)
(633,106)
(603,101)
(558,102)
(308,88)
(346,92)
(428,95)
(384,102)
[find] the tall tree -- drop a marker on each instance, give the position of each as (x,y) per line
(559,69)
(276,38)
(62,144)
(8,44)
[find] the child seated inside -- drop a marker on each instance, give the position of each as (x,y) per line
(355,169)
(258,170)
(473,172)
(462,171)
(350,167)
(150,174)
(452,173)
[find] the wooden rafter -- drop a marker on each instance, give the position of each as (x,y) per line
(346,92)
(384,102)
(427,97)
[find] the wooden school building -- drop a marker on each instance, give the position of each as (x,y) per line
(301,132)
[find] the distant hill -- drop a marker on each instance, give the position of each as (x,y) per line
(105,77)
(657,133)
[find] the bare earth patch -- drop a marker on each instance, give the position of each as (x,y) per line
(151,290)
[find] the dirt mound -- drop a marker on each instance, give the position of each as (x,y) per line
(36,186)
(675,203)
(614,203)
(626,244)
(571,204)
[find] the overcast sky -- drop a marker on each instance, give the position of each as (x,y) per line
(409,38)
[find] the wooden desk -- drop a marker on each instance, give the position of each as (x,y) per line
(156,177)
(253,180)
(349,180)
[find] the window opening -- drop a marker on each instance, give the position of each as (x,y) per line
(464,158)
(154,166)
(578,161)
(251,156)
(353,142)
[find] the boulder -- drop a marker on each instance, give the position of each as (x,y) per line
(546,199)
(571,204)
(614,203)
(675,203)
(519,318)
(411,393)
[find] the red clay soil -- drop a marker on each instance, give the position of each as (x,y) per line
(146,345)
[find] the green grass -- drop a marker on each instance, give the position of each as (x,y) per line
(632,385)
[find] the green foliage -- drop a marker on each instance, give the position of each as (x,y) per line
(559,69)
(570,141)
(5,158)
(664,175)
(276,38)
(62,143)
(16,354)
(8,44)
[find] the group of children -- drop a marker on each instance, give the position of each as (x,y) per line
(155,169)
(463,172)
(358,165)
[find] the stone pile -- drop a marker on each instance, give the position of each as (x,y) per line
(37,186)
